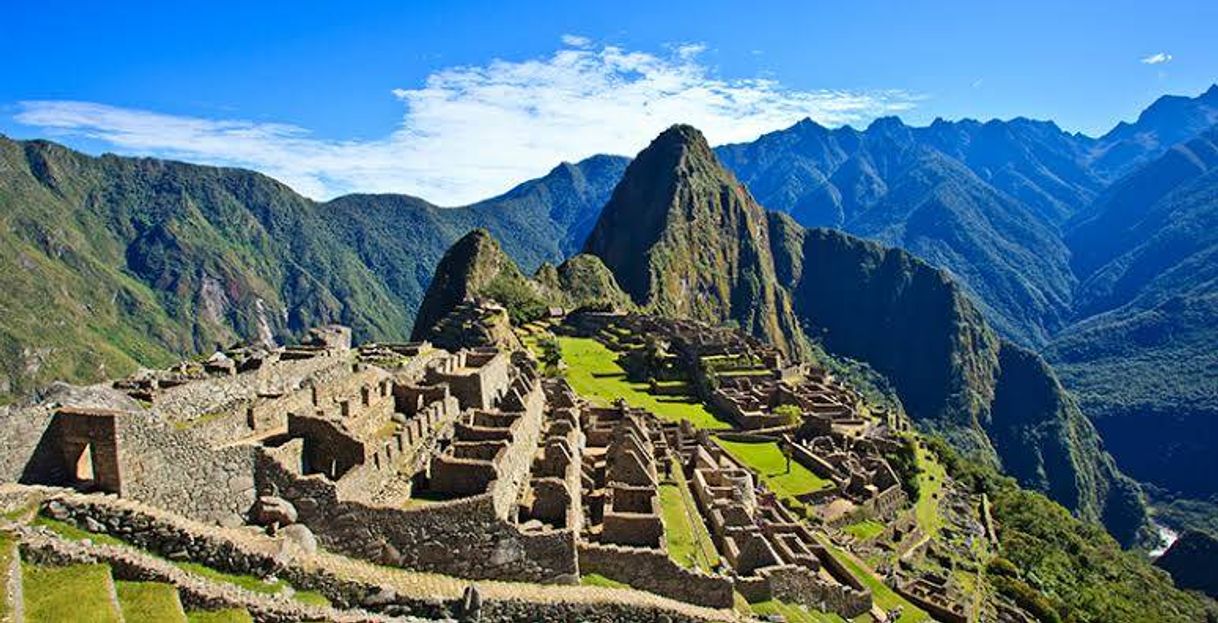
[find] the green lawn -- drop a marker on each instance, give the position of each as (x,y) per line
(864,530)
(232,615)
(930,483)
(150,602)
(72,533)
(78,593)
(248,582)
(593,372)
(767,460)
(689,543)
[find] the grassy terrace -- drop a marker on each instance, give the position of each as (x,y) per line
(80,593)
(248,582)
(235,615)
(767,460)
(793,613)
(689,542)
(864,530)
(930,483)
(594,373)
(149,601)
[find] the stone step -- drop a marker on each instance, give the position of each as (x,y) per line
(230,615)
(150,602)
(79,593)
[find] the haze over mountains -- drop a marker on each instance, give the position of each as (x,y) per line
(1096,252)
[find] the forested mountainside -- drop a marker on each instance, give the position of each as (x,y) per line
(1142,359)
(681,232)
(112,262)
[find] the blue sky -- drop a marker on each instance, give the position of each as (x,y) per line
(454,101)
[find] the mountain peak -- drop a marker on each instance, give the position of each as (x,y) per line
(685,238)
(470,265)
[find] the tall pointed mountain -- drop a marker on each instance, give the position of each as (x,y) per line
(685,238)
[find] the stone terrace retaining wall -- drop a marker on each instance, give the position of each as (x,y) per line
(195,592)
(652,570)
(353,584)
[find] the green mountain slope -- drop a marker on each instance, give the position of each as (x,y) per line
(981,200)
(1142,357)
(109,263)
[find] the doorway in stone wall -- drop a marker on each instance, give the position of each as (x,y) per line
(84,474)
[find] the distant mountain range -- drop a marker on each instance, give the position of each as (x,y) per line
(1095,252)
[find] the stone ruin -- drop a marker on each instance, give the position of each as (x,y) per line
(460,458)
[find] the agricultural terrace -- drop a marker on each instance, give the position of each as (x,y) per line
(593,372)
(689,542)
(768,461)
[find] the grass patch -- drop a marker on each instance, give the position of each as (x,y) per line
(312,598)
(6,558)
(595,579)
(864,530)
(930,483)
(78,593)
(72,533)
(248,582)
(794,613)
(594,373)
(151,602)
(689,543)
(232,615)
(768,461)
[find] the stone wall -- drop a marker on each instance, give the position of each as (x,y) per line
(233,394)
(794,584)
(21,460)
(176,470)
(652,570)
(10,582)
(469,538)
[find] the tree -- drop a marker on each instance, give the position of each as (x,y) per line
(551,354)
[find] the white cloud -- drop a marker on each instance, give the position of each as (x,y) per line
(576,41)
(472,131)
(1157,59)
